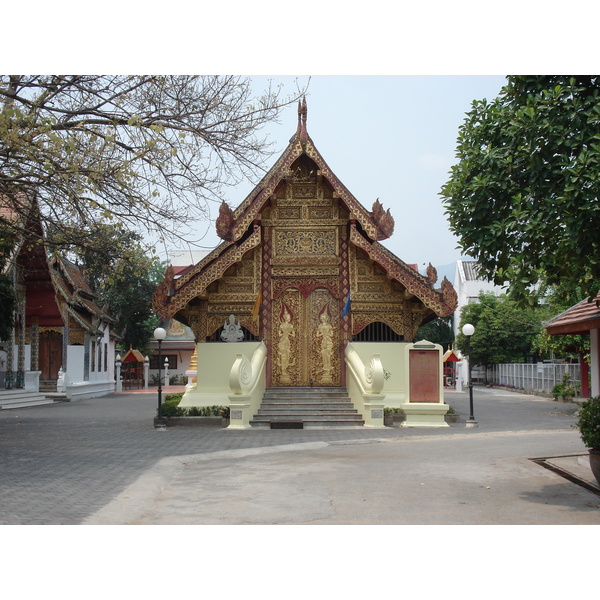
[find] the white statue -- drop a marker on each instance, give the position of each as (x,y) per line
(232,331)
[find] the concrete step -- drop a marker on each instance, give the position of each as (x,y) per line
(310,407)
(308,423)
(307,398)
(316,396)
(307,405)
(22,399)
(56,396)
(266,406)
(307,391)
(308,417)
(326,415)
(47,385)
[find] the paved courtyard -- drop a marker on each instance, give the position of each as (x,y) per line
(101,461)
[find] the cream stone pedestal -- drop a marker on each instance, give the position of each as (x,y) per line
(192,382)
(373,411)
(240,411)
(32,381)
(424,414)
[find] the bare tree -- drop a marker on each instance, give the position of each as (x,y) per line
(149,152)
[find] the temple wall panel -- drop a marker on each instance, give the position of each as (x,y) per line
(377,298)
(76,332)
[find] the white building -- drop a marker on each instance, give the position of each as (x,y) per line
(62,340)
(468,285)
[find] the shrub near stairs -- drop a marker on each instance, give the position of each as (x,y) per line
(170,408)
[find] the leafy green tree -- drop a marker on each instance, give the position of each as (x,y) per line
(7,306)
(557,299)
(129,300)
(523,198)
(8,300)
(124,276)
(148,151)
(439,331)
(504,333)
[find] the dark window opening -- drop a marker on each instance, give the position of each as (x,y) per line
(377,332)
(172,361)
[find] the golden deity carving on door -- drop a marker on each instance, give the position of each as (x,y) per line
(305,339)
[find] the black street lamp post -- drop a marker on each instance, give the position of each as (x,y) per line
(468,330)
(159,334)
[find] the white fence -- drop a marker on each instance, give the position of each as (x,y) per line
(540,377)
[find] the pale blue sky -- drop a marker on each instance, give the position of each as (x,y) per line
(390,134)
(387,137)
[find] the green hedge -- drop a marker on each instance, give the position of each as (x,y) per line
(170,408)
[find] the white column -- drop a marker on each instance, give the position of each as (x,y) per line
(465,372)
(166,376)
(459,375)
(119,381)
(146,372)
(595,361)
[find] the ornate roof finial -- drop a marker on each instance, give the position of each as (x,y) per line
(383,221)
(302,112)
(225,222)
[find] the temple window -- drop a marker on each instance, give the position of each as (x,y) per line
(172,361)
(377,332)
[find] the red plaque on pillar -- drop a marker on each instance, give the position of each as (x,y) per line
(424,376)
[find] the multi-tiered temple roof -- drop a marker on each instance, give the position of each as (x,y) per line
(240,230)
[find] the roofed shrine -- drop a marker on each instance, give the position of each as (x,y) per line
(61,339)
(292,254)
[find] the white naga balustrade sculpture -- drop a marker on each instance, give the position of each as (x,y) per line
(247,382)
(365,386)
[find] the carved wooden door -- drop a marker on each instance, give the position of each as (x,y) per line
(305,349)
(50,359)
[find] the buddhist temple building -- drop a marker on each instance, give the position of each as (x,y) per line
(301,294)
(61,343)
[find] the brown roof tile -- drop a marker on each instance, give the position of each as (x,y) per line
(580,318)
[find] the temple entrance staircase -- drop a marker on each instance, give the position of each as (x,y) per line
(19,398)
(306,407)
(47,385)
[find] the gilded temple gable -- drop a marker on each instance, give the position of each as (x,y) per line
(296,229)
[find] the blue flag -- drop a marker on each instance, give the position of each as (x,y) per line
(346,307)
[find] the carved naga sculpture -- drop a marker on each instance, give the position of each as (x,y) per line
(225,222)
(432,275)
(383,221)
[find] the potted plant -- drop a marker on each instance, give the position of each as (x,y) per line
(588,423)
(392,416)
(451,416)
